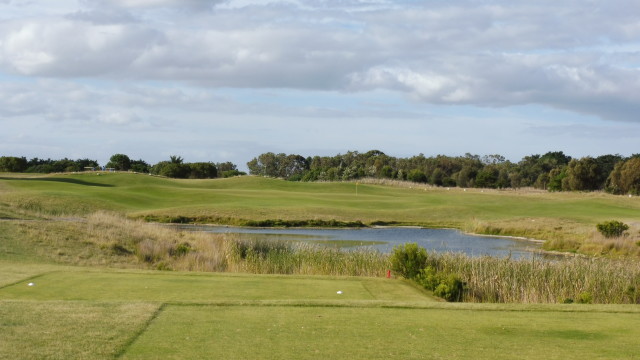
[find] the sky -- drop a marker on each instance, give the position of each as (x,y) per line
(227,80)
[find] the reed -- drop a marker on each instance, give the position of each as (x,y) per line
(576,279)
(166,248)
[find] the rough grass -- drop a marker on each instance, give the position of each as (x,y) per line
(109,239)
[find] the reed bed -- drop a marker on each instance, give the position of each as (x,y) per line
(167,248)
(581,280)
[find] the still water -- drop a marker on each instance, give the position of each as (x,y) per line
(384,239)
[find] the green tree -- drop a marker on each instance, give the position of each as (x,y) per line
(120,162)
(140,166)
(556,177)
(202,170)
(13,164)
(487,177)
(225,166)
(625,177)
(606,164)
(416,175)
(581,175)
(84,164)
(175,159)
(437,177)
(174,168)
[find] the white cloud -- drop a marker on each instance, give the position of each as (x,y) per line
(71,48)
(150,4)
(490,54)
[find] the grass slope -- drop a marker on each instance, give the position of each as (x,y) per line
(236,200)
(84,313)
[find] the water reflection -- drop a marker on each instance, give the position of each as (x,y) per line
(384,239)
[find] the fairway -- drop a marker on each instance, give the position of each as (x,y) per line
(237,201)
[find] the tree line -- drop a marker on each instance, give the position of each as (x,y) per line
(553,171)
(175,167)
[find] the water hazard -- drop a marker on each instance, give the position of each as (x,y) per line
(384,239)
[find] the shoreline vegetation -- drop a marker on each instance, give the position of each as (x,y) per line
(109,239)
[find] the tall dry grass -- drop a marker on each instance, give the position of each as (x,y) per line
(576,279)
(167,248)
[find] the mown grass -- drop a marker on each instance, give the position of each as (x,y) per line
(569,217)
(69,330)
(198,287)
(82,313)
(182,332)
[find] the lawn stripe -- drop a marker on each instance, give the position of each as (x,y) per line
(546,308)
(141,331)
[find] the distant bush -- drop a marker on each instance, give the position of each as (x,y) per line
(612,228)
(231,173)
(408,260)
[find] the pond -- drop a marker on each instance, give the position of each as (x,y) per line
(384,239)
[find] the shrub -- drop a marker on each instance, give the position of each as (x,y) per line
(612,228)
(585,298)
(428,278)
(451,288)
(408,259)
(180,249)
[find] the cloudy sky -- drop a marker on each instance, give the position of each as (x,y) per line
(225,80)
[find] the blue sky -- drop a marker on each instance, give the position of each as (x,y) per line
(226,80)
